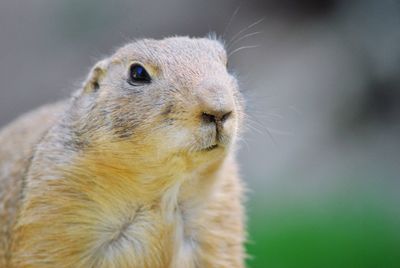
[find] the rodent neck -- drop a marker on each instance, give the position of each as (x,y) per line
(176,176)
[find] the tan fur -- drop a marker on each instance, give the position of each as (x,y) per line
(120,175)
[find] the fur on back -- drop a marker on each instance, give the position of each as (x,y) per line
(17,143)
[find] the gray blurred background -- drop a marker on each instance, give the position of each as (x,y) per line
(321,154)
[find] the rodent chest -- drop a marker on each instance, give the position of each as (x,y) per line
(148,231)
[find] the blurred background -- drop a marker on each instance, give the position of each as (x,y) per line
(321,154)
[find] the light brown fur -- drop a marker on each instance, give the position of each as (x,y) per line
(120,176)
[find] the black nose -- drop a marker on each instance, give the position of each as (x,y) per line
(216,117)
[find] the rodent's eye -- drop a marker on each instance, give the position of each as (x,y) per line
(138,75)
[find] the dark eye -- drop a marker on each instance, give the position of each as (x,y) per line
(138,75)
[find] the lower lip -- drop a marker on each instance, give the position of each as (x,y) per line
(211,148)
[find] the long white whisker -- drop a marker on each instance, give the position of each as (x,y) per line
(254,120)
(241,38)
(241,48)
(231,20)
(245,29)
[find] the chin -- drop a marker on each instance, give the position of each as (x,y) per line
(194,148)
(210,154)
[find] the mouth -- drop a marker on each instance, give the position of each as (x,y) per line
(210,148)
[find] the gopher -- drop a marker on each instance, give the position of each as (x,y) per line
(136,169)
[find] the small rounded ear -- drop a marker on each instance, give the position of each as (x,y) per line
(92,83)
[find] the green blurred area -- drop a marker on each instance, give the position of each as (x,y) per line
(358,229)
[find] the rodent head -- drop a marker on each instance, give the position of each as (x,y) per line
(165,97)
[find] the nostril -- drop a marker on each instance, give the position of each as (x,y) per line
(226,116)
(217,117)
(208,118)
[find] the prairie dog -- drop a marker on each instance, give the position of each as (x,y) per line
(136,169)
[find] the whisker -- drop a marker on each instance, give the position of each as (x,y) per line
(269,114)
(254,120)
(281,132)
(245,143)
(241,48)
(241,38)
(251,119)
(271,136)
(245,29)
(251,127)
(230,21)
